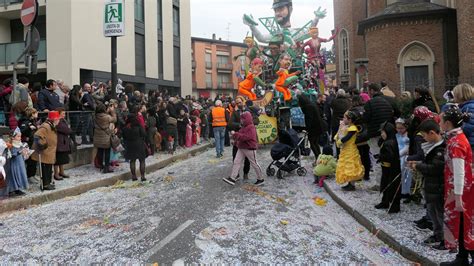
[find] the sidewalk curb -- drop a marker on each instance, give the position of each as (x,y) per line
(406,252)
(20,203)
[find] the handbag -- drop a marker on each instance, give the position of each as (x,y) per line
(114,141)
(171,121)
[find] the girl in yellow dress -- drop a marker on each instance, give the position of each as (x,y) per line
(349,166)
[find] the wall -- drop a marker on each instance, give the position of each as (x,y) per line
(385,43)
(347,15)
(168,71)
(375,6)
(466,40)
(151,39)
(185,39)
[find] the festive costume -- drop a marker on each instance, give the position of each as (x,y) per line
(17,178)
(349,166)
(325,165)
(390,161)
(458,148)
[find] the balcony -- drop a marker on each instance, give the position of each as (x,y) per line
(9,52)
(10,2)
(11,7)
(225,85)
(208,65)
(224,66)
(208,85)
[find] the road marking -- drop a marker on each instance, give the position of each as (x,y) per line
(155,222)
(167,239)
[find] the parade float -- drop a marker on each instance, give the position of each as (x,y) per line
(282,62)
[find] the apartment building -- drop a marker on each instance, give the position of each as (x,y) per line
(214,67)
(154,53)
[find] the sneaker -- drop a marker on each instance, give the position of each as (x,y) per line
(420,221)
(431,240)
(426,226)
(259,182)
(441,246)
(229,180)
(349,187)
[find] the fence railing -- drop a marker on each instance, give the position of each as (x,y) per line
(9,52)
(10,2)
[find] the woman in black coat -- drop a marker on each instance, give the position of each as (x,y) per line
(63,148)
(134,137)
(313,121)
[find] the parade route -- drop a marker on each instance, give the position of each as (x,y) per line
(186,213)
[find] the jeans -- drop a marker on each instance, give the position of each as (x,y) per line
(435,209)
(219,136)
(87,125)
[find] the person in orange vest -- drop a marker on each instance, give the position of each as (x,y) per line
(219,118)
(285,79)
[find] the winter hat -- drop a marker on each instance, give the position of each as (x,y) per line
(16,132)
(423,113)
(53,115)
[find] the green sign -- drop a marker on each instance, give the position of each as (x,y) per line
(114,24)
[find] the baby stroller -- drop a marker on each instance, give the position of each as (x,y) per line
(286,154)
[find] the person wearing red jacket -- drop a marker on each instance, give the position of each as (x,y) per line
(246,142)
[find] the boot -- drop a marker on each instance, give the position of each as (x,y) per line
(381,205)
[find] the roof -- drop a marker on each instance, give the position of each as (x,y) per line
(405,9)
(198,39)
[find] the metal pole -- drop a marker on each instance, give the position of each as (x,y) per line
(114,66)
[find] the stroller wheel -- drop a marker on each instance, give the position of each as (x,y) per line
(270,171)
(301,171)
(280,174)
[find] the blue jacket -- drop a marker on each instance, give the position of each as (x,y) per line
(468,127)
(48,100)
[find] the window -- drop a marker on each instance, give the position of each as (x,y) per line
(160,15)
(177,63)
(160,59)
(176,21)
(208,77)
(139,54)
(208,57)
(344,52)
(222,59)
(139,11)
(223,78)
(416,76)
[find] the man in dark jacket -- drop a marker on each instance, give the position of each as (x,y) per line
(235,125)
(88,105)
(432,169)
(377,111)
(339,106)
(48,100)
(313,121)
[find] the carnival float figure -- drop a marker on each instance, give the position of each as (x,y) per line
(285,54)
(284,78)
(246,87)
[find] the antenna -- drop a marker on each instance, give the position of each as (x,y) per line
(228,31)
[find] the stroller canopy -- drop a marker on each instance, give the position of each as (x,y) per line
(289,137)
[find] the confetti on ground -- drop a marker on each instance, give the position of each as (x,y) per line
(168,179)
(284,222)
(319,201)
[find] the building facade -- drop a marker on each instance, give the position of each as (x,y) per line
(214,66)
(406,43)
(154,53)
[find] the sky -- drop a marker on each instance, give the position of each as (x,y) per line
(224,17)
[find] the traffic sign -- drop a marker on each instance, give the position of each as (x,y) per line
(114,20)
(29,12)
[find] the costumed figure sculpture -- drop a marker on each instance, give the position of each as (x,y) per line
(246,87)
(284,78)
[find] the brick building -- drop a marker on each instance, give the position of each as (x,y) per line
(407,43)
(213,66)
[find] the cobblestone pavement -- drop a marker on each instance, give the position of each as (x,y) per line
(185,213)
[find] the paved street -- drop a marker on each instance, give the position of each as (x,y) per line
(186,214)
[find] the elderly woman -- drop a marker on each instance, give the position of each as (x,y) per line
(105,119)
(464,96)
